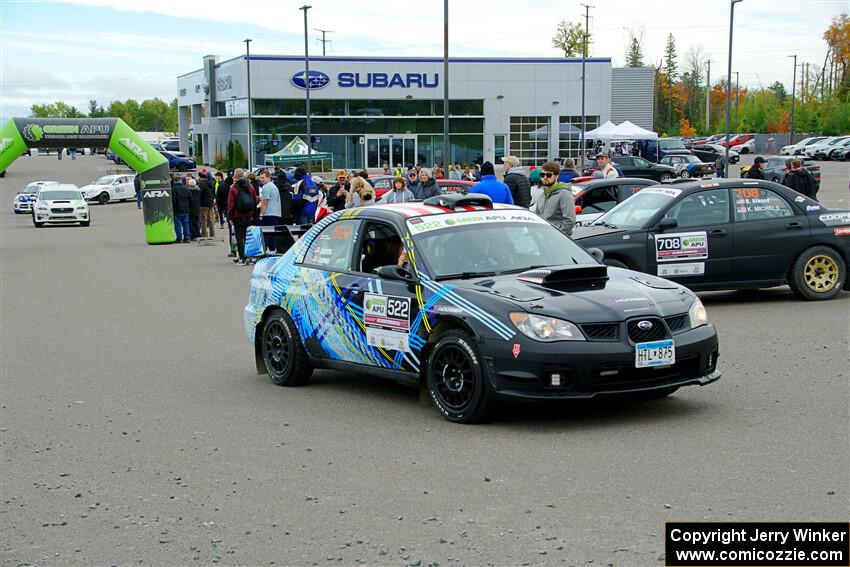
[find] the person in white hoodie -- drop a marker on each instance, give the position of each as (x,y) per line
(399,194)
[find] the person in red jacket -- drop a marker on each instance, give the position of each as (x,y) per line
(240,213)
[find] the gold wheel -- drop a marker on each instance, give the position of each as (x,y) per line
(820,273)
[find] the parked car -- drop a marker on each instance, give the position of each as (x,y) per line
(455,185)
(23,200)
(110,188)
(728,234)
(799,147)
(518,311)
(640,167)
(776,167)
(822,149)
(594,197)
(713,139)
(841,153)
(739,142)
(689,166)
(710,152)
(61,203)
(179,162)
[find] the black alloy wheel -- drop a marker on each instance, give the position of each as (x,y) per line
(455,378)
(282,351)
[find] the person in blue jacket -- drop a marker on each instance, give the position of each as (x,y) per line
(492,187)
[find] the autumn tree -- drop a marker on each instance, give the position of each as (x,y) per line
(569,38)
(837,36)
(634,48)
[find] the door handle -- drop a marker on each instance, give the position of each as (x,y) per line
(793,225)
(718,233)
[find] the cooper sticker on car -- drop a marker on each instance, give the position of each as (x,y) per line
(832,219)
(387,321)
(681,246)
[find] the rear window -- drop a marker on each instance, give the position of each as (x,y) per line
(671,145)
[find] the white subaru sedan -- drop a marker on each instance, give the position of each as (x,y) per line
(61,203)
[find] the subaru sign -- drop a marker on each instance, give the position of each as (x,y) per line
(369,80)
(317,80)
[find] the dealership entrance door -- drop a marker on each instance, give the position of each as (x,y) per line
(393,150)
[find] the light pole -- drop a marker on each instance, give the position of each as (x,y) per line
(446,86)
(737,99)
(307,90)
(729,84)
(793,92)
(583,80)
(250,127)
(708,99)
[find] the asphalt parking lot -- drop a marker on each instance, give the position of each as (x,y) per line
(134,429)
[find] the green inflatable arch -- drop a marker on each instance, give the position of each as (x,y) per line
(18,134)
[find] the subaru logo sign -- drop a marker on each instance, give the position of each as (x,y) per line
(317,80)
(645,325)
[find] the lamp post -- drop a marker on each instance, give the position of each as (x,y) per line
(446,85)
(729,84)
(307,90)
(583,80)
(793,92)
(250,127)
(708,99)
(737,99)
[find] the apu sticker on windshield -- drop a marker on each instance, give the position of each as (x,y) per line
(452,220)
(681,246)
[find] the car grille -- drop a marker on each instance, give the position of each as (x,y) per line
(655,333)
(62,210)
(677,323)
(613,377)
(601,331)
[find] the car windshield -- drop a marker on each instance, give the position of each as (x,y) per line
(60,196)
(836,141)
(636,211)
(31,188)
(461,245)
(104,180)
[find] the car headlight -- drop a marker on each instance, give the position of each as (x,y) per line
(547,329)
(697,314)
(81,208)
(42,207)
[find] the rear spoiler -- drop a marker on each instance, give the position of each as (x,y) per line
(456,200)
(565,274)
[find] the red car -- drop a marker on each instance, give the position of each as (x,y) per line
(738,140)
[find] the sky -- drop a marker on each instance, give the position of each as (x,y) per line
(77,50)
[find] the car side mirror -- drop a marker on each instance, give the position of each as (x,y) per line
(598,254)
(668,223)
(393,272)
(578,209)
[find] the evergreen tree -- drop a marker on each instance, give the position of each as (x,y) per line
(671,69)
(634,56)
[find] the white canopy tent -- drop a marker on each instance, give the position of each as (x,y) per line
(607,131)
(630,131)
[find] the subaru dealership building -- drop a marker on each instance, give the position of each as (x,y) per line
(367,111)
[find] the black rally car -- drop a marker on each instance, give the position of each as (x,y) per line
(487,301)
(727,234)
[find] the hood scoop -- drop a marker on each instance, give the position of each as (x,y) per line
(556,275)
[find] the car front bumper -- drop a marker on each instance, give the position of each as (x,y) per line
(591,369)
(23,207)
(74,216)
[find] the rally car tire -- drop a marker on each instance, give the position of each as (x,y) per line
(103,198)
(686,174)
(85,223)
(282,351)
(615,263)
(818,273)
(455,378)
(666,177)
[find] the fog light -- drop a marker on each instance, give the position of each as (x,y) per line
(555,380)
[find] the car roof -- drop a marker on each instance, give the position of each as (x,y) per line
(404,211)
(692,186)
(60,187)
(593,183)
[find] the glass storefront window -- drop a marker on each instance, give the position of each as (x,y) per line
(569,141)
(529,139)
(460,107)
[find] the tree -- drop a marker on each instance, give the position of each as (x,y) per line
(634,47)
(569,38)
(671,69)
(55,110)
(96,111)
(837,36)
(778,90)
(634,58)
